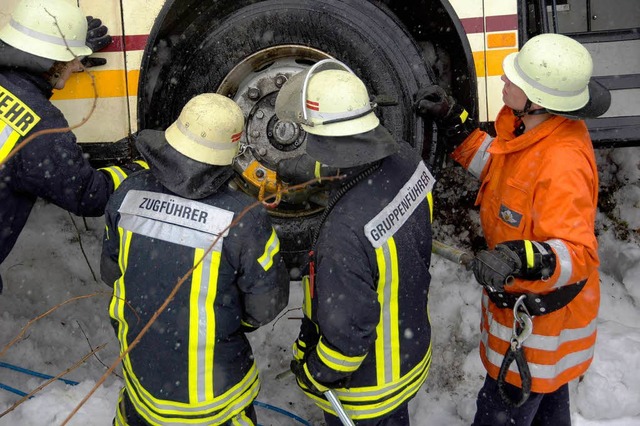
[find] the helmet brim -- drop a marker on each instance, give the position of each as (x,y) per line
(352,150)
(599,103)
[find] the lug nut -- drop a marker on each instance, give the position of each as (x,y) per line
(253,93)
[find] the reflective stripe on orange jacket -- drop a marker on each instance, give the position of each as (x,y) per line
(540,186)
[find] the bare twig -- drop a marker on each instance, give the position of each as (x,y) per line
(39,317)
(91,347)
(86,259)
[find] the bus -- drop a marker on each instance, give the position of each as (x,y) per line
(167,51)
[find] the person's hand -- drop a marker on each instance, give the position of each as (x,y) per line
(304,379)
(97,39)
(495,268)
(434,102)
(97,34)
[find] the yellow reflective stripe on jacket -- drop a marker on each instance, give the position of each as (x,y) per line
(118,301)
(202,325)
(270,250)
(306,300)
(117,175)
(388,340)
(142,164)
(430,201)
(16,113)
(365,403)
(8,139)
(203,407)
(216,411)
(337,361)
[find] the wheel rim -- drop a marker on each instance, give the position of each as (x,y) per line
(254,84)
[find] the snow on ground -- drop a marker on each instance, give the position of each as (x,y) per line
(48,267)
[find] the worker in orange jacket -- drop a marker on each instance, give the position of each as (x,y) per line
(538,201)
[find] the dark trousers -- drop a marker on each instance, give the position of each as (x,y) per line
(541,409)
(398,417)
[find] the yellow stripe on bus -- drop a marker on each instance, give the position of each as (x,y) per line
(493,62)
(109,84)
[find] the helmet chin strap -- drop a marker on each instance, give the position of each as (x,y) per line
(528,111)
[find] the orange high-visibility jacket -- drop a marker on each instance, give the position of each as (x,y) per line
(540,186)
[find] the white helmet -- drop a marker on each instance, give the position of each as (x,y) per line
(332,105)
(554,71)
(52,29)
(208,129)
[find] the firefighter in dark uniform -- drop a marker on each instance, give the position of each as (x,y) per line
(195,364)
(366,333)
(34,60)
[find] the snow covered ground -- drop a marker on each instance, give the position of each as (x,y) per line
(56,260)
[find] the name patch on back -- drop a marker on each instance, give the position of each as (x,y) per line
(386,223)
(174,219)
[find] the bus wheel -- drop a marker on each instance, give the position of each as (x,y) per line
(246,50)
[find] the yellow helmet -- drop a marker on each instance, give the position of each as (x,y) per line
(208,129)
(554,71)
(52,29)
(332,105)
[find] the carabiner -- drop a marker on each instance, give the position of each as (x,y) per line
(521,321)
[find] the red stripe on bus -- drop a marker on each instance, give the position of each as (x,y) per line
(133,42)
(494,23)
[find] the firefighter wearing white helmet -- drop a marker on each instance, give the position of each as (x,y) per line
(538,201)
(182,215)
(370,256)
(40,47)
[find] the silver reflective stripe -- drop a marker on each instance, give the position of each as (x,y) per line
(563,261)
(541,371)
(221,146)
(329,116)
(540,247)
(169,232)
(60,41)
(386,223)
(240,395)
(343,363)
(174,219)
(203,293)
(385,314)
(542,342)
(272,248)
(545,89)
(480,158)
(384,397)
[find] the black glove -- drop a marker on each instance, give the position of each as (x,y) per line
(434,102)
(97,39)
(305,381)
(451,117)
(302,169)
(495,268)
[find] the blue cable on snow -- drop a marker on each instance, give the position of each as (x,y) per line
(73,383)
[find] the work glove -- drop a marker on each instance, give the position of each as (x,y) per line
(494,269)
(97,39)
(434,102)
(301,169)
(304,379)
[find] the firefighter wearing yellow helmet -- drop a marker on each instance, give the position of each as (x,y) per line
(538,201)
(179,215)
(366,332)
(40,47)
